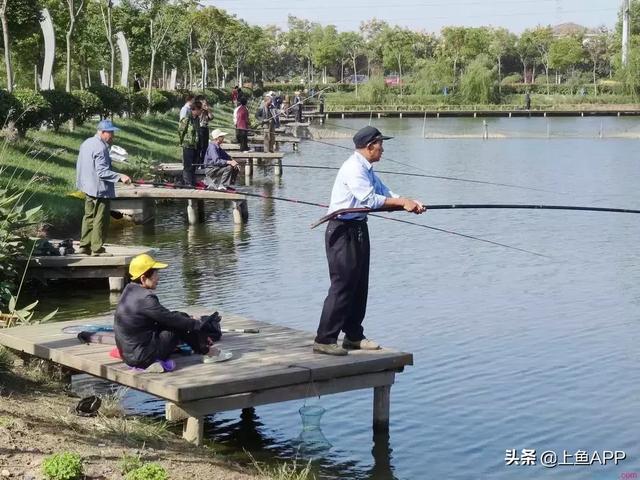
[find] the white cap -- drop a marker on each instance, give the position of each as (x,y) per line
(217,133)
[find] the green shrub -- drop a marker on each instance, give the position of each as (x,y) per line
(6,360)
(135,103)
(32,110)
(129,463)
(159,103)
(174,98)
(64,106)
(511,79)
(374,90)
(90,105)
(113,102)
(63,466)
(150,471)
(8,106)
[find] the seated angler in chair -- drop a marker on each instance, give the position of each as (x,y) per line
(146,332)
(220,168)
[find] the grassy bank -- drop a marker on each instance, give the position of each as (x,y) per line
(105,442)
(45,161)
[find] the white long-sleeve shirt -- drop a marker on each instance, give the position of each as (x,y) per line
(358,186)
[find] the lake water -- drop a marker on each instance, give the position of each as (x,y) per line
(512,351)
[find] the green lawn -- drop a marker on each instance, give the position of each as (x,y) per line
(45,161)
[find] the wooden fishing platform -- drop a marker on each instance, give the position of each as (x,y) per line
(259,140)
(138,201)
(75,266)
(247,159)
(272,366)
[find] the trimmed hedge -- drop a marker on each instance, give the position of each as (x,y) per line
(26,109)
(64,106)
(91,105)
(113,101)
(32,110)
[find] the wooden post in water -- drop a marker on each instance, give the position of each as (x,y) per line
(193,213)
(381,404)
(485,133)
(277,169)
(424,125)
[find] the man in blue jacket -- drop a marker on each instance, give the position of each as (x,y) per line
(96,179)
(220,168)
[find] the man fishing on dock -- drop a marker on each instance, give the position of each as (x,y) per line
(96,179)
(347,245)
(220,168)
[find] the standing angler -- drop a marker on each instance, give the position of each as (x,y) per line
(347,245)
(96,179)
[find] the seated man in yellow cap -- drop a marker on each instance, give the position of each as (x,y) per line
(146,332)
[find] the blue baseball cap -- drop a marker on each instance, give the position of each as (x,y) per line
(107,126)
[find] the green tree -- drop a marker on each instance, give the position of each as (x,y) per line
(325,47)
(353,46)
(503,43)
(597,47)
(20,18)
(543,39)
(478,82)
(565,52)
(398,51)
(452,45)
(527,52)
(372,36)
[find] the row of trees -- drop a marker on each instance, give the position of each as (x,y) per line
(207,45)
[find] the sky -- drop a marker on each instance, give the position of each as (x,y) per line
(429,15)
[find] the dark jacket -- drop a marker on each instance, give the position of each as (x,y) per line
(139,319)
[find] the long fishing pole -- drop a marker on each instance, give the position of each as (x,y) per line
(423,175)
(461,206)
(437,229)
(314,204)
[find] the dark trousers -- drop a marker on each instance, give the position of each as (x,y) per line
(95,223)
(222,175)
(165,342)
(203,143)
(243,139)
(189,158)
(347,248)
(269,141)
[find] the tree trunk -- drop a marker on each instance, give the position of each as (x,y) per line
(153,61)
(400,76)
(112,48)
(69,33)
(164,75)
(595,85)
(546,71)
(190,72)
(7,46)
(355,75)
(499,75)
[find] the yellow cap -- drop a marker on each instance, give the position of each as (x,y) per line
(142,263)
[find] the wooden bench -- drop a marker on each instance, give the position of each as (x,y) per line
(275,365)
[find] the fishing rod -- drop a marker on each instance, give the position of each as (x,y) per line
(422,175)
(461,206)
(201,186)
(338,212)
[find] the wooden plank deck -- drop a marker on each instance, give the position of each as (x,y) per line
(274,365)
(251,159)
(134,201)
(83,266)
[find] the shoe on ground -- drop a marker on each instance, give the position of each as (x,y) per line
(231,189)
(83,251)
(329,349)
(101,253)
(364,344)
(160,366)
